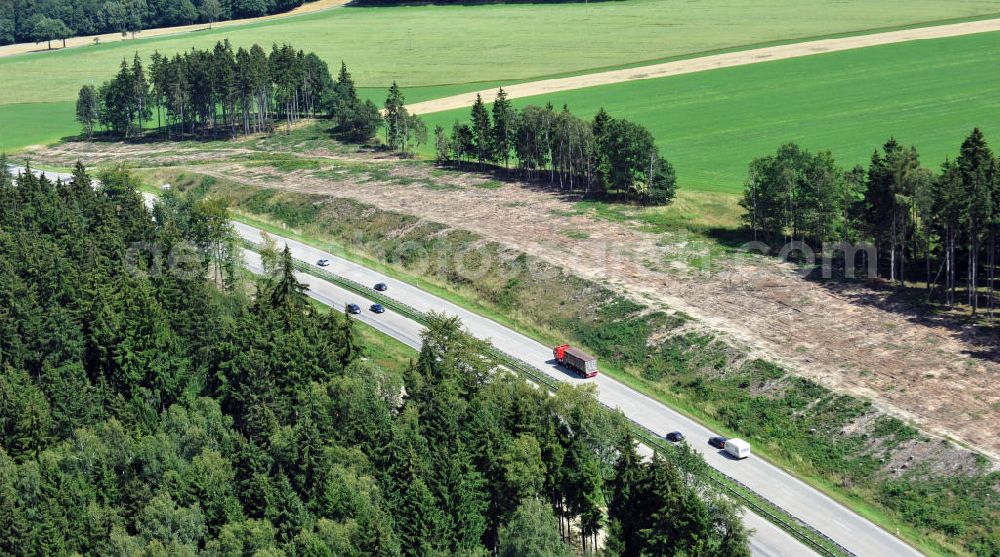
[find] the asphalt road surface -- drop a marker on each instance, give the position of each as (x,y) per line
(767,540)
(802,501)
(848,529)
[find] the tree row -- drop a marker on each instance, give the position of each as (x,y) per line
(604,157)
(921,225)
(154,401)
(216,91)
(48,20)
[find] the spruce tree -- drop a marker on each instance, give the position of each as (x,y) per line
(140,93)
(975,167)
(417,518)
(395,117)
(481,136)
(87,109)
(504,117)
(288,295)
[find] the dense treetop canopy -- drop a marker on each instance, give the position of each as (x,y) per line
(155,401)
(19,19)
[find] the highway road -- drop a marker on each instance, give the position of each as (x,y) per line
(850,530)
(767,540)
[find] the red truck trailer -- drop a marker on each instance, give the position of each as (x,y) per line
(576,359)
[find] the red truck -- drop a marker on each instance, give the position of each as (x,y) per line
(576,359)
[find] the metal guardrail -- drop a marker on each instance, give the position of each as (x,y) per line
(760,505)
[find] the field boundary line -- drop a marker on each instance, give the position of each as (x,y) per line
(711,62)
(308,8)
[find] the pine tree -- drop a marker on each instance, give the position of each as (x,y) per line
(504,117)
(481,136)
(395,118)
(87,109)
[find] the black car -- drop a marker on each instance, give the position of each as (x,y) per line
(381,287)
(353,308)
(675,437)
(377,308)
(717,442)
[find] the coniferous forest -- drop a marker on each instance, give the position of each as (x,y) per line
(155,400)
(897,217)
(218,91)
(34,20)
(611,158)
(228,93)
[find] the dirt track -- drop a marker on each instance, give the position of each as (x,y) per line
(712,62)
(22,48)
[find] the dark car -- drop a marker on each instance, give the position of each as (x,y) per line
(323,262)
(353,308)
(377,308)
(381,287)
(717,442)
(675,437)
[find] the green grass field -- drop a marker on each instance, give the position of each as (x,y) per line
(711,124)
(449,49)
(27,124)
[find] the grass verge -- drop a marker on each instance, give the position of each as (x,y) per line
(387,352)
(808,535)
(840,445)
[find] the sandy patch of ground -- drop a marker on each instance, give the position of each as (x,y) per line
(713,62)
(146,154)
(924,373)
(934,374)
(22,48)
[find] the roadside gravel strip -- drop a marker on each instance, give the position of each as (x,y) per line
(713,62)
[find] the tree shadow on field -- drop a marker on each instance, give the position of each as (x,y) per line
(732,238)
(912,302)
(153,137)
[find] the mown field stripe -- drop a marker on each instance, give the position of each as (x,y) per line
(711,124)
(707,63)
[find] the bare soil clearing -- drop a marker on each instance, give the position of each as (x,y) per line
(308,8)
(846,337)
(712,62)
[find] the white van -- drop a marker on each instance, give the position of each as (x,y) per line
(738,448)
